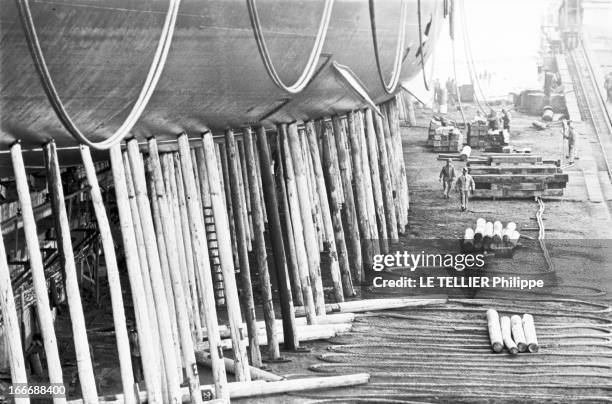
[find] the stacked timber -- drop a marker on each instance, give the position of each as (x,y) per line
(445,139)
(514,333)
(481,137)
(514,175)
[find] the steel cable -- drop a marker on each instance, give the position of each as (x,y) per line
(399,49)
(155,71)
(315,53)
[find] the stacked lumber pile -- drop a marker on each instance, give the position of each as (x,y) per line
(445,138)
(517,176)
(481,137)
(491,237)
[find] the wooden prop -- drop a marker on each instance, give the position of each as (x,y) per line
(112,273)
(45,318)
(247,194)
(381,218)
(361,208)
(147,331)
(349,216)
(200,250)
(310,237)
(335,250)
(256,373)
(157,283)
(186,343)
(385,180)
(530,333)
(297,263)
(73,295)
(367,182)
(233,216)
(142,260)
(259,246)
(506,330)
(185,263)
(11,324)
(226,258)
(393,168)
(495,334)
(517,333)
(358,306)
(242,228)
(275,229)
(394,126)
(165,271)
(303,265)
(262,387)
(332,185)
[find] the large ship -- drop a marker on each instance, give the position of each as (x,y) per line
(230,63)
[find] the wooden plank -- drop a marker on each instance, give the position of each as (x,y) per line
(45,318)
(357,306)
(385,180)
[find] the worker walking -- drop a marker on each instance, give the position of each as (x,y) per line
(506,119)
(465,186)
(447,177)
(571,135)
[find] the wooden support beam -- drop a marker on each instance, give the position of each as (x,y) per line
(225,256)
(224,179)
(393,168)
(142,261)
(244,202)
(185,269)
(261,387)
(190,243)
(287,199)
(165,269)
(245,179)
(45,318)
(357,306)
(310,237)
(361,208)
(367,182)
(73,295)
(147,331)
(11,324)
(200,250)
(157,283)
(402,180)
(167,222)
(349,215)
(256,373)
(112,273)
(332,184)
(335,250)
(373,155)
(293,213)
(385,180)
(259,246)
(242,228)
(276,237)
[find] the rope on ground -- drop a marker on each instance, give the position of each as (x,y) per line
(542,234)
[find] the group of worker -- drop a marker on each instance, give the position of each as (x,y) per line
(463,184)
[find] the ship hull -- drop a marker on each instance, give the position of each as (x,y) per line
(99,53)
